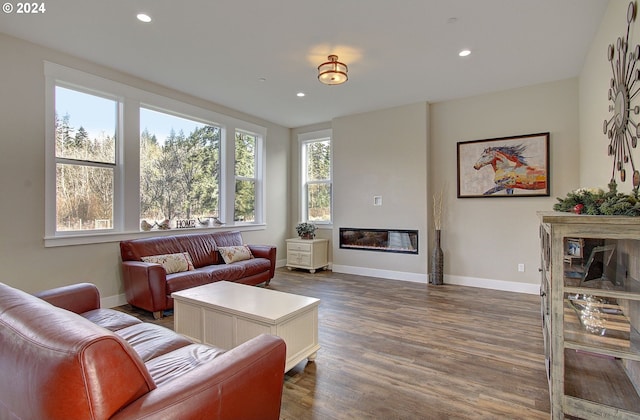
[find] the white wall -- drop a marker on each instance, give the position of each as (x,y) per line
(596,165)
(25,262)
(381,153)
(484,239)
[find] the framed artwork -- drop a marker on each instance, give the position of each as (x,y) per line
(515,166)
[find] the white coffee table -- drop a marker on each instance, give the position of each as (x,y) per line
(226,314)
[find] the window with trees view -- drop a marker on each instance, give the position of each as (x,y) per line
(245,171)
(121,160)
(316,176)
(179,169)
(85,153)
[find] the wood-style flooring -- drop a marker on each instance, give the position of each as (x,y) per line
(402,350)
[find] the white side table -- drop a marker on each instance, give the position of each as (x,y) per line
(309,254)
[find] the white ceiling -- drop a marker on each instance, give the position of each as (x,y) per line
(398,52)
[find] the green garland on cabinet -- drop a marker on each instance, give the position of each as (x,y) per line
(595,201)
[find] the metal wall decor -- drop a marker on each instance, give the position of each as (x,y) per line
(621,130)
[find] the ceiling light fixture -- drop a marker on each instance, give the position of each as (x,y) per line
(300,94)
(332,72)
(464,53)
(144,17)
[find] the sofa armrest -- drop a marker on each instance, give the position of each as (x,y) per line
(244,383)
(78,298)
(265,251)
(145,285)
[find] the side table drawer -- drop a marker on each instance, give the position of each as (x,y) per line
(296,246)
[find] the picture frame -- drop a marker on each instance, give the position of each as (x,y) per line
(515,166)
(574,247)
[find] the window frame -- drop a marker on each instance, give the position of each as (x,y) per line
(303,140)
(126,206)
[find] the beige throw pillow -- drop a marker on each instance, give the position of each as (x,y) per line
(172,263)
(232,254)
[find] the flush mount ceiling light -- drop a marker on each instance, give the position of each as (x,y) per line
(332,72)
(142,17)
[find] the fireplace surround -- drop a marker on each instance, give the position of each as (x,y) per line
(382,240)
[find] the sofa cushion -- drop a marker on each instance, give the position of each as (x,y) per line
(231,254)
(111,319)
(151,340)
(189,279)
(169,366)
(172,263)
(253,266)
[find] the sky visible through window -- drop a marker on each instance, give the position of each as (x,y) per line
(97,116)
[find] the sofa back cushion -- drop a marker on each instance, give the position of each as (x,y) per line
(202,247)
(135,249)
(58,365)
(232,238)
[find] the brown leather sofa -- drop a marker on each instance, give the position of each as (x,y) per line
(69,359)
(148,286)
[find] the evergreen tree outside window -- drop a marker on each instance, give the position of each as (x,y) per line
(85,159)
(179,169)
(245,174)
(316,179)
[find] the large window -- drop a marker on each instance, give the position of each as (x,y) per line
(120,160)
(316,180)
(179,169)
(85,155)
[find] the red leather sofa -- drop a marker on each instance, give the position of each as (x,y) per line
(148,286)
(69,359)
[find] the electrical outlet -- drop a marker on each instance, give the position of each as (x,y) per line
(521,268)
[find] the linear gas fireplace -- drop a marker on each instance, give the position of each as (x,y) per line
(383,240)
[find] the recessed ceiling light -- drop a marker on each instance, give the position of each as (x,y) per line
(464,53)
(300,94)
(142,17)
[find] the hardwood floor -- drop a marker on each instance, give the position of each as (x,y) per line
(402,350)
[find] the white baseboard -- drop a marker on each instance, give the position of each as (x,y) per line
(385,274)
(507,286)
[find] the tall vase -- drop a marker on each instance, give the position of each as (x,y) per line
(437,262)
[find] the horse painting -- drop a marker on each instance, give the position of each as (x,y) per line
(511,169)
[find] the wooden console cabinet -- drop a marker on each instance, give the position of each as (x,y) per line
(309,254)
(591,314)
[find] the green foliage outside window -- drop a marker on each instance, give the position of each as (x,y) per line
(318,181)
(179,179)
(245,169)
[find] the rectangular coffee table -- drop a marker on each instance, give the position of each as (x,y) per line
(226,314)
